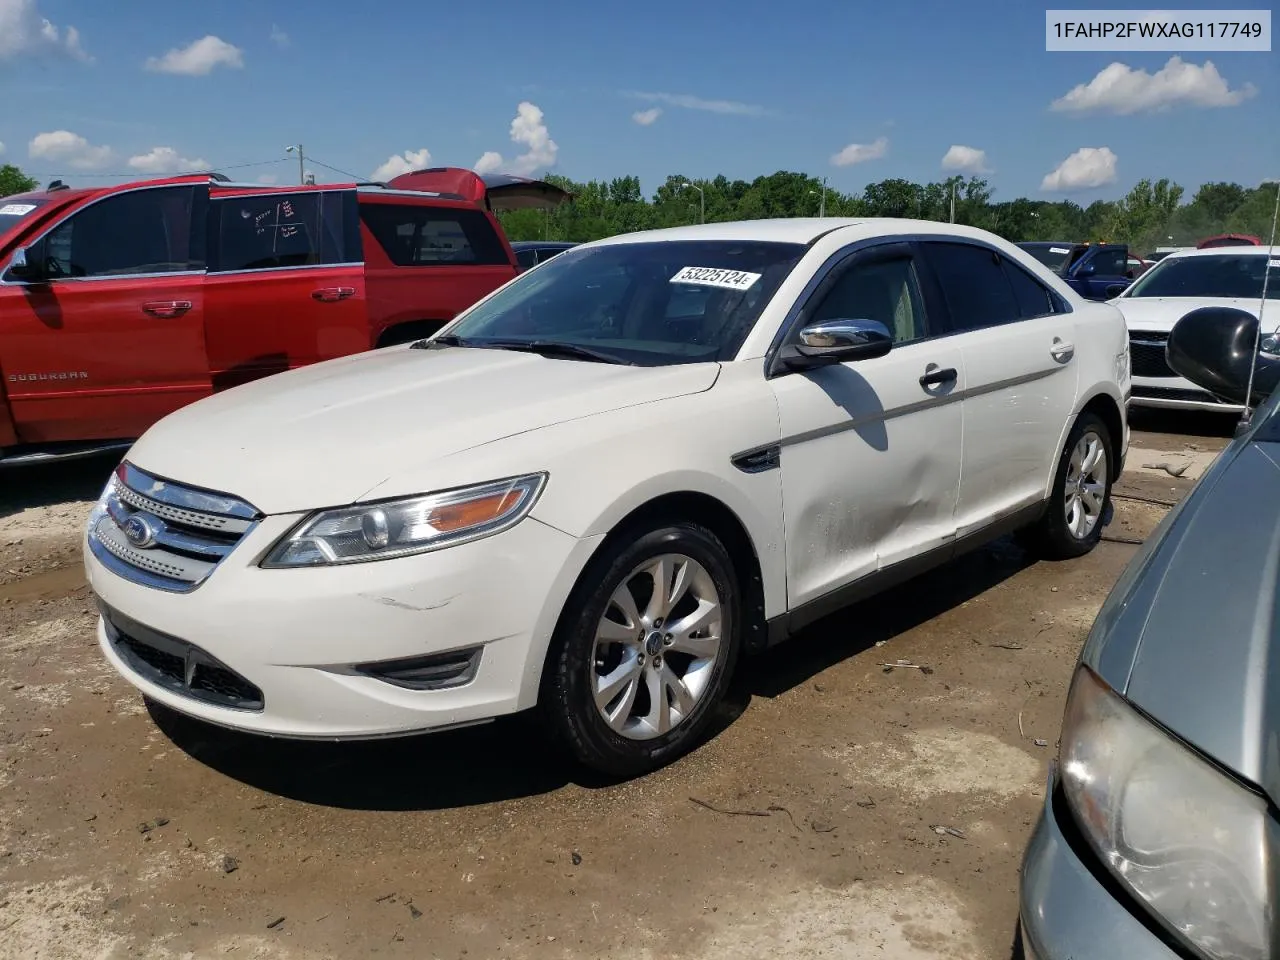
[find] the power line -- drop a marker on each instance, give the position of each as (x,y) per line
(137,174)
(345,173)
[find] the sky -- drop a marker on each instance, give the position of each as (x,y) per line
(854,92)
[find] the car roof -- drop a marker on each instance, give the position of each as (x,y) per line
(1240,251)
(802,230)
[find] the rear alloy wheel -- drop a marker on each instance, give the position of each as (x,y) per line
(1073,518)
(645,651)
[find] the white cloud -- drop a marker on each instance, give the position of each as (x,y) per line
(1,146)
(399,163)
(965,159)
(279,37)
(861,152)
(489,162)
(24,31)
(529,129)
(1122,90)
(198,58)
(1086,168)
(63,146)
(165,160)
(646,118)
(689,102)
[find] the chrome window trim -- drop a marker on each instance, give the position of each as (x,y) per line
(304,266)
(59,221)
(104,276)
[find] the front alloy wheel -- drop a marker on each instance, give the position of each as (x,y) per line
(644,649)
(657,646)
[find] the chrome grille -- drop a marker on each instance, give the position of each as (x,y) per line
(162,534)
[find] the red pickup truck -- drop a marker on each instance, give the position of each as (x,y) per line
(120,304)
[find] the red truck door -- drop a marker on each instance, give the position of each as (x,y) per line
(109,337)
(286,284)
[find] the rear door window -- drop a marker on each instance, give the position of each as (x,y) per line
(1034,298)
(420,235)
(270,231)
(977,292)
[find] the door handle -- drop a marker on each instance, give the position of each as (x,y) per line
(938,376)
(166,309)
(1062,351)
(333,294)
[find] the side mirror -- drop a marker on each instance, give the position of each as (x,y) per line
(1115,289)
(26,268)
(1086,270)
(838,341)
(1213,347)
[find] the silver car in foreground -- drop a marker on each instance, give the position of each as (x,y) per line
(1160,836)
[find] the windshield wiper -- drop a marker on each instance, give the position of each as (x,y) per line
(551,348)
(448,340)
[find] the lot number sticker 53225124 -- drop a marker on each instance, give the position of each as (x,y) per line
(716,277)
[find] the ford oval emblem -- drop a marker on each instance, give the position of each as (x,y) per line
(141,531)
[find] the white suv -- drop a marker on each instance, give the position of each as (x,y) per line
(602,484)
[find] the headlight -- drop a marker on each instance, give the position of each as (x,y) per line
(1192,844)
(396,528)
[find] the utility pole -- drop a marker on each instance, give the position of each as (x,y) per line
(953,200)
(702,201)
(822,204)
(302,164)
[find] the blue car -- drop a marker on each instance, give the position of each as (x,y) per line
(1096,271)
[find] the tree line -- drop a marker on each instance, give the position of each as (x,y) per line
(1150,215)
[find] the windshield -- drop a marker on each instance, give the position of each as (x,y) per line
(1053,256)
(1220,275)
(652,304)
(11,211)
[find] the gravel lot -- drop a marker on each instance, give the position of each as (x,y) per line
(808,827)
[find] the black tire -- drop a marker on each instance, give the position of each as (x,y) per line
(567,698)
(1051,538)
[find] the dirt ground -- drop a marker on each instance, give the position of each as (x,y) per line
(814,825)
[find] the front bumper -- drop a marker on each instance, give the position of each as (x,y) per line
(1176,393)
(296,635)
(1065,912)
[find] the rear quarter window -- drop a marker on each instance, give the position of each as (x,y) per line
(420,235)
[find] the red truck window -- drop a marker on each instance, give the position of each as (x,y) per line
(421,235)
(139,232)
(268,231)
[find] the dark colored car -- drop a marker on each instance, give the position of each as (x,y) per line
(530,253)
(1160,836)
(1098,271)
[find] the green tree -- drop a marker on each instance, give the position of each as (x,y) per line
(13,180)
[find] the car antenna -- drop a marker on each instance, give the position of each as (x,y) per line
(1246,417)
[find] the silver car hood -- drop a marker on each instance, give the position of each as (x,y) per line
(1189,633)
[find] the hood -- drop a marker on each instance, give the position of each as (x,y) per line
(1159,314)
(1193,637)
(327,434)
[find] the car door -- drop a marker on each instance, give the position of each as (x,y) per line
(112,339)
(286,283)
(1107,268)
(871,449)
(1017,343)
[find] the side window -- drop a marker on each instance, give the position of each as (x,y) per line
(883,289)
(416,235)
(977,292)
(1034,299)
(1110,263)
(526,257)
(140,232)
(267,231)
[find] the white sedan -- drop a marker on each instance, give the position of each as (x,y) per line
(1181,282)
(601,485)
